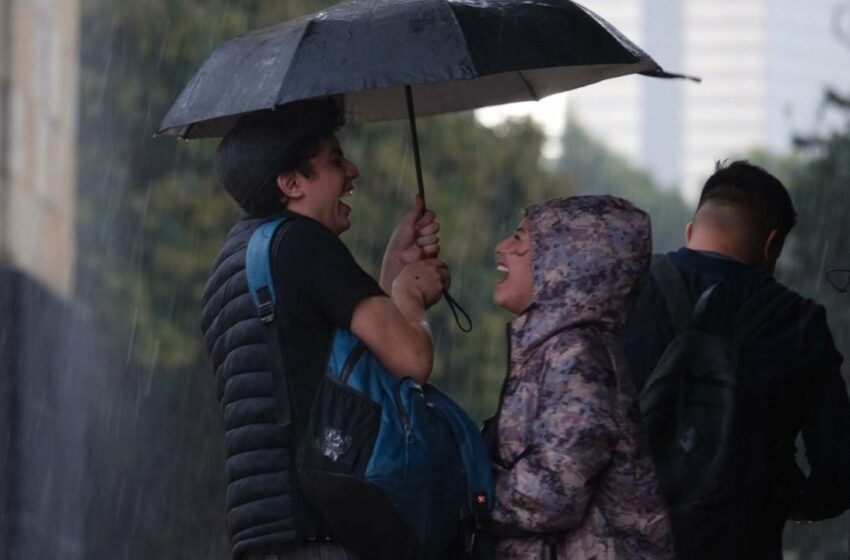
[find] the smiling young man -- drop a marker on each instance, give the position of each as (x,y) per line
(289,163)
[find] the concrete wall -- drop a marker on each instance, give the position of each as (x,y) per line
(43,341)
(47,356)
(39,65)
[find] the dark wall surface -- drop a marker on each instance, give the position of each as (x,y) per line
(99,460)
(45,347)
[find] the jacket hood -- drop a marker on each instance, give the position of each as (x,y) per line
(589,257)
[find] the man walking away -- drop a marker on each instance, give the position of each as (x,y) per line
(732,367)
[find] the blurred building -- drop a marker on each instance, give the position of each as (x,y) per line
(43,339)
(764,63)
(38,115)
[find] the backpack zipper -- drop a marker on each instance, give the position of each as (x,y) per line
(351,361)
(348,367)
(402,413)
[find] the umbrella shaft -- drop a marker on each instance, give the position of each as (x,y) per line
(411,115)
(466,324)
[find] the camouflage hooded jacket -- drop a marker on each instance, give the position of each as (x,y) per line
(574,479)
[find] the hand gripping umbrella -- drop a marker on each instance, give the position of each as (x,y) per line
(377,58)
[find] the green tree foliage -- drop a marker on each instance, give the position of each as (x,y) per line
(596,170)
(150,215)
(818,179)
(821,240)
(150,219)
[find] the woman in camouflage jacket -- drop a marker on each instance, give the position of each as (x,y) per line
(574,479)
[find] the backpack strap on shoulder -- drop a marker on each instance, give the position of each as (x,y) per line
(258,272)
(258,268)
(673,290)
(759,309)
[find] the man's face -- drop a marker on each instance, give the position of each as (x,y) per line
(332,179)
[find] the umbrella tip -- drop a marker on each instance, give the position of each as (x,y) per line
(660,73)
(671,75)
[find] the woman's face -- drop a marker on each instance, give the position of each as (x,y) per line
(515,288)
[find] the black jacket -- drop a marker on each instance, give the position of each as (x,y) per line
(795,383)
(260,493)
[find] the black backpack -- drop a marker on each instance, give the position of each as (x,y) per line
(694,412)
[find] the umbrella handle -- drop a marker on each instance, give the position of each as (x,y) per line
(457,310)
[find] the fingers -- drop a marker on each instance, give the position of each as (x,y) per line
(417,235)
(429,277)
(424,241)
(441,277)
(430,251)
(426,235)
(414,215)
(431,228)
(445,275)
(425,218)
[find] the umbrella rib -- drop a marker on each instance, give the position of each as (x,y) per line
(528,86)
(308,27)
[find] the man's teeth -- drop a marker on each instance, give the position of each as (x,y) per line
(502,268)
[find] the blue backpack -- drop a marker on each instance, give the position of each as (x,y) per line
(396,470)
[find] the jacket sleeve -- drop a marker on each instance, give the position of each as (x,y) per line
(549,487)
(826,434)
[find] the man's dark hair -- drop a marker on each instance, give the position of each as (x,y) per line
(265,144)
(268,199)
(749,187)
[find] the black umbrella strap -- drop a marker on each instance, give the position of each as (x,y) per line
(466,324)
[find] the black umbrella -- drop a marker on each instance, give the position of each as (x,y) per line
(379,57)
(456,55)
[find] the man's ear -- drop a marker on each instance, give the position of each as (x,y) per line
(289,185)
(688,230)
(773,246)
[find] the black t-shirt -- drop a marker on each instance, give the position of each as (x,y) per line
(318,285)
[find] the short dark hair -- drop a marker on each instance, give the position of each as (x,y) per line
(761,195)
(263,144)
(268,199)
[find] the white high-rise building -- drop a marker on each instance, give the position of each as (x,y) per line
(765,65)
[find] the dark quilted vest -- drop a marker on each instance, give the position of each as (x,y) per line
(259,454)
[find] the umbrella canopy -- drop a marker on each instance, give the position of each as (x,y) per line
(453,55)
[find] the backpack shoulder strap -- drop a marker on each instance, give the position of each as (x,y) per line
(258,268)
(474,454)
(258,272)
(759,309)
(673,290)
